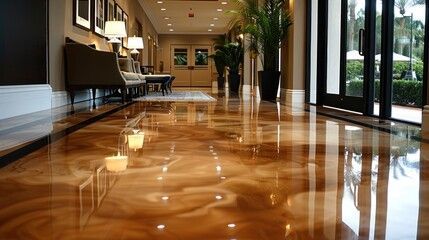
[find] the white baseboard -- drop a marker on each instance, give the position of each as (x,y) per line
(23,99)
(294,99)
(62,98)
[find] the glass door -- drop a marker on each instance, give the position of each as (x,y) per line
(346,55)
(375,57)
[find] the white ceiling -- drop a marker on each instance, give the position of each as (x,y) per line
(177,10)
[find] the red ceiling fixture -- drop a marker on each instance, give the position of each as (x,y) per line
(191,13)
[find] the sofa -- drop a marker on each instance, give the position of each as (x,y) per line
(88,68)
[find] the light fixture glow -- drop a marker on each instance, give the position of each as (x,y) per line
(159,2)
(211,24)
(219,9)
(163,9)
(215,18)
(219,197)
(224,3)
(218,168)
(165,198)
(166,18)
(169,24)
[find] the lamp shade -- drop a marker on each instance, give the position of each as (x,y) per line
(135,43)
(115,29)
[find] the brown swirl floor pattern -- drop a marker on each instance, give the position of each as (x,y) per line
(232,169)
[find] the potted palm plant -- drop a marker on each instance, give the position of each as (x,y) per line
(219,60)
(233,53)
(267,25)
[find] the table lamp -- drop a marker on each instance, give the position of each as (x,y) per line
(115,30)
(135,43)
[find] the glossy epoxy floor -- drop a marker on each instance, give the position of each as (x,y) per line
(234,169)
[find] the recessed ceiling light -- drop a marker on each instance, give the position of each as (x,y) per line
(163,9)
(159,2)
(169,24)
(215,18)
(171,30)
(212,25)
(224,3)
(210,30)
(166,18)
(219,10)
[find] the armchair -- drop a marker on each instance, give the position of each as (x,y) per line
(87,68)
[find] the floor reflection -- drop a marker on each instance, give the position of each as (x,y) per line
(233,169)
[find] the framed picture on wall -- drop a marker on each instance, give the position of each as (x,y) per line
(82,14)
(110,10)
(126,20)
(119,13)
(99,16)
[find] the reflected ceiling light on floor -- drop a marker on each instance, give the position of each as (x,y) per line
(161,226)
(215,18)
(222,178)
(219,10)
(211,24)
(171,30)
(166,18)
(165,169)
(165,198)
(219,197)
(218,168)
(224,3)
(232,225)
(169,24)
(163,9)
(136,140)
(116,163)
(159,178)
(159,2)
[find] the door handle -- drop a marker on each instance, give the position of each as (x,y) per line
(361,41)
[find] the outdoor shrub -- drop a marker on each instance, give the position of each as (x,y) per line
(405,92)
(354,70)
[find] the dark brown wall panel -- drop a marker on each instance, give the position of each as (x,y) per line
(23,42)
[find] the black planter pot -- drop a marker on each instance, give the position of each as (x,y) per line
(269,84)
(234,82)
(220,83)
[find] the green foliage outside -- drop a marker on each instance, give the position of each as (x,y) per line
(405,92)
(354,69)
